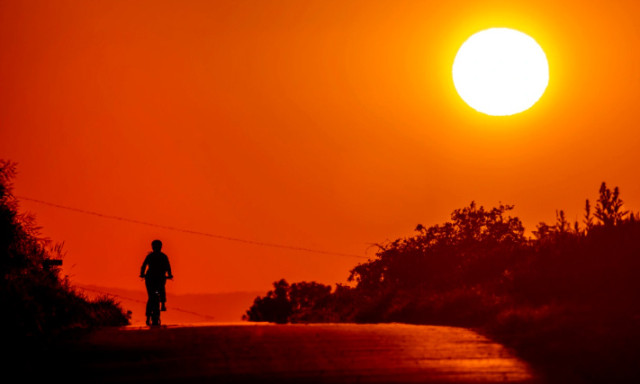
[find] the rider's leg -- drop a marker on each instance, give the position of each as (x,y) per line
(163,295)
(152,299)
(150,291)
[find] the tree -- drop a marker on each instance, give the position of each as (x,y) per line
(609,206)
(307,300)
(274,307)
(562,224)
(588,217)
(443,255)
(476,223)
(297,302)
(543,231)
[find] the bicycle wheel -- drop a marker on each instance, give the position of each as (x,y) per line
(153,310)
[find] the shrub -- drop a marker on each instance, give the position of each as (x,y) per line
(38,305)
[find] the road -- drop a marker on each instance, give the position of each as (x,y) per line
(318,353)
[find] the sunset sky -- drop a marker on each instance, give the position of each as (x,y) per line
(329,125)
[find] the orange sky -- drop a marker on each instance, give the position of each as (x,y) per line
(320,124)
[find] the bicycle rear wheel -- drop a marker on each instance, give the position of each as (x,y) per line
(153,310)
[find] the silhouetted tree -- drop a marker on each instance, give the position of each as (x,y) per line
(307,301)
(588,217)
(609,206)
(543,231)
(562,224)
(274,307)
(298,302)
(444,255)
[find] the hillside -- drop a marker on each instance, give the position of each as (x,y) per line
(187,308)
(39,305)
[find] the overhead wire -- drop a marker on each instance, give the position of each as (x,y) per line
(208,317)
(189,231)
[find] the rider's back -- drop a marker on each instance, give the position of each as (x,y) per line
(157,264)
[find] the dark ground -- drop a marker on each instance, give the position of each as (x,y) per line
(320,353)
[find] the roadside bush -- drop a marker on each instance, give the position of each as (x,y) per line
(37,304)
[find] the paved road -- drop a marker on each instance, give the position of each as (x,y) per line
(327,353)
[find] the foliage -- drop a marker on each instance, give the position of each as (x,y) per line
(568,292)
(295,303)
(447,255)
(609,207)
(274,307)
(37,303)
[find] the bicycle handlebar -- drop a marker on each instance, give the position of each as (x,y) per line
(170,277)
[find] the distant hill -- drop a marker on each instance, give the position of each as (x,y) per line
(188,308)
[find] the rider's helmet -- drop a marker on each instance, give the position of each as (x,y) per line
(156,245)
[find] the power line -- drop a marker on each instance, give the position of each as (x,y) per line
(144,302)
(189,231)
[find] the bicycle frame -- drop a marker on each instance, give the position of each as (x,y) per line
(153,309)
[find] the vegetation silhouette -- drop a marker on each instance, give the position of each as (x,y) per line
(38,305)
(566,298)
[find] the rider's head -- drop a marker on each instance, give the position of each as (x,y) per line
(156,245)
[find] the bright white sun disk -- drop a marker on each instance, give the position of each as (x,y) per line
(500,71)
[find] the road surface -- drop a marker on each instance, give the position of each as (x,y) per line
(317,353)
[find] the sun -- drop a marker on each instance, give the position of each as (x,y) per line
(500,71)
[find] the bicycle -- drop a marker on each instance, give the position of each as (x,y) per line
(154,307)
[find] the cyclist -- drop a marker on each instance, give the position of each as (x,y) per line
(155,271)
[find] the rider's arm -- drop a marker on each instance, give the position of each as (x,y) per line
(144,266)
(169,274)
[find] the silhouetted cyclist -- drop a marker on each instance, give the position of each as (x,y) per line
(158,270)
